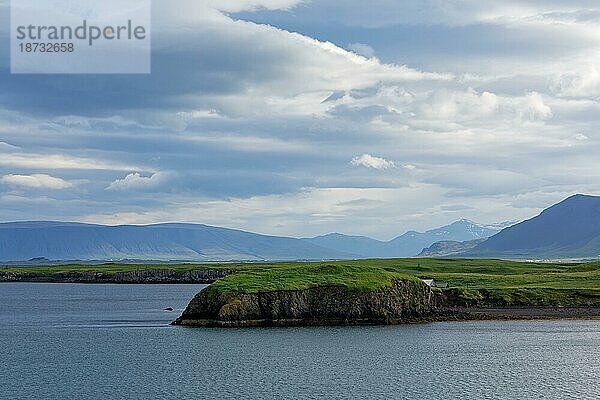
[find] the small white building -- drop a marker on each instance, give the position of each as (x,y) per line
(433,283)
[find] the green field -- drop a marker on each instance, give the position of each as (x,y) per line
(488,281)
(304,276)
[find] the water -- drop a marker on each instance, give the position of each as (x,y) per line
(114,342)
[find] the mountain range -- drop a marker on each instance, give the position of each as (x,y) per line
(409,244)
(569,229)
(21,241)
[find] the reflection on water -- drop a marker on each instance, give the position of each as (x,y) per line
(60,341)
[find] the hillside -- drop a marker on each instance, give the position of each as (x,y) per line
(74,241)
(448,248)
(569,229)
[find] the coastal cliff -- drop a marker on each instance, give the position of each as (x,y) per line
(402,301)
(141,276)
(353,292)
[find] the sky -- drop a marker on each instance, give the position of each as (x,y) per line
(300,118)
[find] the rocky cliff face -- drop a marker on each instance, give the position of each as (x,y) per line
(143,276)
(404,301)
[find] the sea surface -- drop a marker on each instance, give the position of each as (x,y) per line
(71,341)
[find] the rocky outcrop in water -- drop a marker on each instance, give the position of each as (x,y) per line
(142,276)
(404,301)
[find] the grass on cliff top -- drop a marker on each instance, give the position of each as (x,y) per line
(409,266)
(492,281)
(113,268)
(505,282)
(298,277)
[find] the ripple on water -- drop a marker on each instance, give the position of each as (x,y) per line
(118,345)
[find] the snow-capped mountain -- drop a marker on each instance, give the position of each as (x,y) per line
(407,245)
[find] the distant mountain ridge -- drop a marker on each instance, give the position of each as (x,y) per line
(449,248)
(409,244)
(22,241)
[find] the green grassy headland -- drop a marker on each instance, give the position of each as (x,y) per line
(488,281)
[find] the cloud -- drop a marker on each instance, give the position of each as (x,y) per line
(36,181)
(532,107)
(369,211)
(217,65)
(235,111)
(135,181)
(458,105)
(5,146)
(308,212)
(369,161)
(384,13)
(584,81)
(252,5)
(58,161)
(362,49)
(484,181)
(249,143)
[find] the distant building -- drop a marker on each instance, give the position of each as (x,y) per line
(433,283)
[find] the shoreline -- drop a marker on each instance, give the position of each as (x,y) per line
(461,314)
(149,276)
(529,313)
(446,308)
(444,314)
